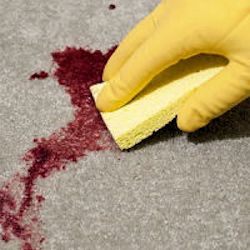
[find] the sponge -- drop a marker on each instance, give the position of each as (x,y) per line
(160,101)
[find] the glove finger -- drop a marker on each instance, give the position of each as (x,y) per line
(154,55)
(133,40)
(215,97)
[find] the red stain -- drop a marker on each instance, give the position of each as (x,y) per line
(40,198)
(40,75)
(112,6)
(77,70)
(27,246)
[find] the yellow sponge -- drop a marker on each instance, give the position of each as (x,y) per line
(160,101)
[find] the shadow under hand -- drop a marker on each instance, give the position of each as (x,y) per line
(233,124)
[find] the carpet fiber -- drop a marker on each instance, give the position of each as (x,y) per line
(172,191)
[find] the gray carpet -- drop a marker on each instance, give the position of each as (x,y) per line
(173,191)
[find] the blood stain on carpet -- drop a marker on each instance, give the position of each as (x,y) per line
(77,69)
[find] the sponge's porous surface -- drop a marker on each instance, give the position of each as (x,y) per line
(160,101)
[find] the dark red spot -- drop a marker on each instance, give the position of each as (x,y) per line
(40,198)
(27,246)
(42,240)
(112,6)
(5,237)
(35,219)
(76,71)
(40,75)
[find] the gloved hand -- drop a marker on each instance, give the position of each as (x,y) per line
(175,30)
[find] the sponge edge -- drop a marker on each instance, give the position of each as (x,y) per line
(160,101)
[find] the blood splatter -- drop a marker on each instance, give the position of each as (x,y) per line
(112,6)
(20,201)
(40,75)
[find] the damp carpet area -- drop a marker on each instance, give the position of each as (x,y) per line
(63,182)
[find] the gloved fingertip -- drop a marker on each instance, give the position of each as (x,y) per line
(99,104)
(111,67)
(106,76)
(106,103)
(190,121)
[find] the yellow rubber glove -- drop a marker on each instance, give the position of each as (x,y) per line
(175,30)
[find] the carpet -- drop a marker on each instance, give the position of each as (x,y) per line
(172,191)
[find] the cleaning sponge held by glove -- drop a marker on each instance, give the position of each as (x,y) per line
(160,101)
(179,29)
